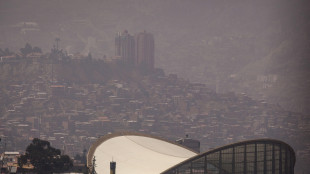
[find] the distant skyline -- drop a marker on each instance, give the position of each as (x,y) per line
(253,52)
(227,45)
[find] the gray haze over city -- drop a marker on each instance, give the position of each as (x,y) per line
(241,66)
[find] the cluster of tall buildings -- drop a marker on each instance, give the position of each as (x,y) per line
(137,50)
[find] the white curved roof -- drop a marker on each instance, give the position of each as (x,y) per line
(138,155)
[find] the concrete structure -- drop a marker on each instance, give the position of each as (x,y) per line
(135,50)
(125,47)
(261,156)
(190,143)
(9,162)
(139,154)
(136,153)
(145,50)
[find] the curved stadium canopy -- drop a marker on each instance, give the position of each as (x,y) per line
(259,156)
(141,154)
(135,153)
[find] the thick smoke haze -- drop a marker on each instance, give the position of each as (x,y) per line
(228,45)
(260,48)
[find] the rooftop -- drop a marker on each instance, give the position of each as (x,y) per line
(137,154)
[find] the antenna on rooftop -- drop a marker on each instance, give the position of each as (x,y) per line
(112,167)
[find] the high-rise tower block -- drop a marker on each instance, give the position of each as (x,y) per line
(145,50)
(125,47)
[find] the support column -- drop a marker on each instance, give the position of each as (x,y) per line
(255,159)
(206,165)
(273,160)
(233,161)
(220,162)
(280,159)
(191,168)
(265,158)
(245,161)
(286,161)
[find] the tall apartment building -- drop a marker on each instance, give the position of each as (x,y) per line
(125,47)
(144,50)
(135,50)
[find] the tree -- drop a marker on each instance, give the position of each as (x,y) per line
(89,56)
(7,52)
(26,50)
(93,166)
(45,158)
(37,50)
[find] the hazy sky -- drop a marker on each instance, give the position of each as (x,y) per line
(201,40)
